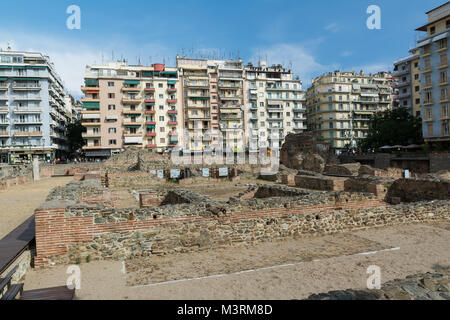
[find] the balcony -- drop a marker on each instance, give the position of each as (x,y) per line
(150,123)
(150,111)
(173,133)
(149,89)
(20,122)
(150,134)
(172,112)
(27,98)
(172,123)
(91,124)
(4,86)
(172,100)
(90,135)
(25,87)
(27,134)
(150,101)
(20,110)
(131,89)
(4,134)
(171,90)
(132,101)
(151,146)
(132,112)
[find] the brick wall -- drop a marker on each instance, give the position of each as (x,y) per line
(62,238)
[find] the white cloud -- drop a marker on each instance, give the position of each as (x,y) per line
(71,57)
(332,27)
(292,56)
(346,53)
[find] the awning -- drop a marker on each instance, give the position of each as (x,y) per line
(132,82)
(3,79)
(91,116)
(423,43)
(440,37)
(171,82)
(99,153)
(112,118)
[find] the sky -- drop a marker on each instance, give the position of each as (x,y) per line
(309,36)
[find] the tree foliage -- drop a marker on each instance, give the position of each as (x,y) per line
(74,135)
(393,127)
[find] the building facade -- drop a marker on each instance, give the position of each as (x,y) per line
(340,104)
(274,105)
(33,113)
(213,103)
(407,83)
(433,48)
(130,106)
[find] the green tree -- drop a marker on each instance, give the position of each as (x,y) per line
(393,127)
(74,135)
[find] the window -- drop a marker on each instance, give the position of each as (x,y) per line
(161,96)
(160,85)
(427,64)
(262,114)
(112,130)
(443,60)
(112,107)
(162,129)
(161,107)
(161,118)
(447,24)
(445,128)
(430,130)
(111,95)
(443,77)
(428,81)
(162,140)
(110,84)
(112,142)
(432,30)
(262,124)
(443,43)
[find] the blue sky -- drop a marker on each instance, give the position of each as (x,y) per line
(311,36)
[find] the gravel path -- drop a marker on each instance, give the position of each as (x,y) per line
(18,202)
(423,248)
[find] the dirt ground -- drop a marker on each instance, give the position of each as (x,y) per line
(293,269)
(18,202)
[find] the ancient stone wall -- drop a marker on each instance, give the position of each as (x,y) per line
(413,190)
(73,233)
(439,162)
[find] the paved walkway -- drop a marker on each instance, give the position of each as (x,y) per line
(18,202)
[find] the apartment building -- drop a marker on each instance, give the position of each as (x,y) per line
(130,106)
(274,105)
(340,104)
(433,48)
(407,84)
(213,103)
(33,113)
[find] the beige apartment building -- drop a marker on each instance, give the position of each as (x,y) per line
(274,105)
(213,103)
(128,106)
(340,104)
(433,51)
